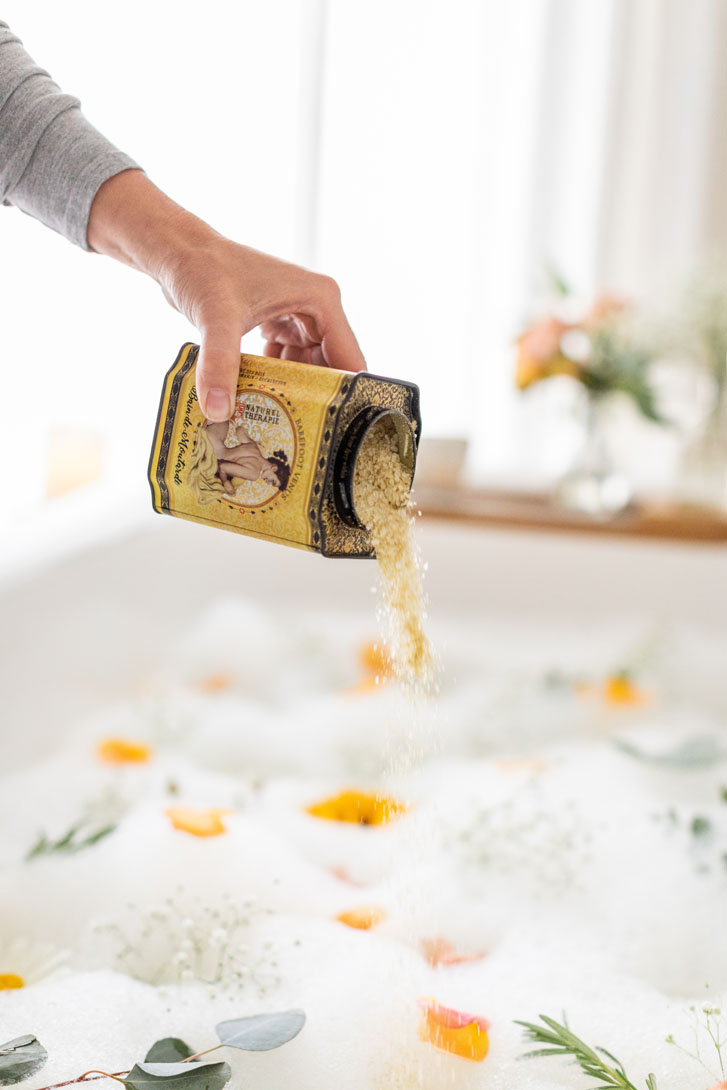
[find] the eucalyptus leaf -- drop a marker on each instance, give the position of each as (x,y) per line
(697,752)
(168,1050)
(21,1058)
(178,1076)
(261,1032)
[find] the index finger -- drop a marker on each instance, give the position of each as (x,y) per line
(337,340)
(218,368)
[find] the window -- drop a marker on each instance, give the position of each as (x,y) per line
(430,156)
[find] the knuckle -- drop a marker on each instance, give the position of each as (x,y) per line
(328,287)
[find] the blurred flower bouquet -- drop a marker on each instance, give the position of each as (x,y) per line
(608,352)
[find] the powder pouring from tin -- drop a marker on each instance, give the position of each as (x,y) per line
(381,497)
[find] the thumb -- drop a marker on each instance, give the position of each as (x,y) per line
(218,368)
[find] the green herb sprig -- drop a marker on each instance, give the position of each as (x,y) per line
(170,1063)
(74,840)
(559,1040)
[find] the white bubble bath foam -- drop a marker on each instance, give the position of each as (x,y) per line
(229,833)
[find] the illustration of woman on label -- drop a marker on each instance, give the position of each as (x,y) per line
(214,465)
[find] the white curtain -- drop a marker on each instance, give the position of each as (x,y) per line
(432,156)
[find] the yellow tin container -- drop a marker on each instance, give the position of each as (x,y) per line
(282,467)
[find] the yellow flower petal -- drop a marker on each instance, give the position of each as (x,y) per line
(620,690)
(190,819)
(10,981)
(362,919)
(357,808)
(563,366)
(617,691)
(527,372)
(120,751)
(454,1031)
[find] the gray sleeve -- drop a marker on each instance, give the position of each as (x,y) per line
(52,161)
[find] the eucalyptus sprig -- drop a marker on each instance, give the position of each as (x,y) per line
(561,1041)
(21,1058)
(170,1064)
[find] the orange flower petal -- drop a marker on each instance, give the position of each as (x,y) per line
(121,751)
(541,341)
(358,808)
(439,951)
(343,875)
(362,919)
(376,660)
(454,1031)
(10,981)
(604,308)
(189,819)
(373,683)
(215,683)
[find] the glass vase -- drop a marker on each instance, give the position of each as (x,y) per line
(704,463)
(592,486)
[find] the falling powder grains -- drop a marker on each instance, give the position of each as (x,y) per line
(381,497)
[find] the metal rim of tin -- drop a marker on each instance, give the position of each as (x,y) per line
(348,452)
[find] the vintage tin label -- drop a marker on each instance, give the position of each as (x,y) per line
(254,474)
(281,467)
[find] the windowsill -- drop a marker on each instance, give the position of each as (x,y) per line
(658,520)
(64,525)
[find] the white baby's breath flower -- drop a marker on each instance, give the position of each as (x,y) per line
(205,947)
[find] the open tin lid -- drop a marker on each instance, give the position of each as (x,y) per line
(348,451)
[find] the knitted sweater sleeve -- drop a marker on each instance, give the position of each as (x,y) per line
(52,160)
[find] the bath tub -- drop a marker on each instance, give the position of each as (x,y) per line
(560,846)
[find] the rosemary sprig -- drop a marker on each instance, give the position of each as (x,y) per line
(70,842)
(561,1041)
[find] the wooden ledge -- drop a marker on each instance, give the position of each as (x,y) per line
(537,511)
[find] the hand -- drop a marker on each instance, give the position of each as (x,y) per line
(226,479)
(223,288)
(226,289)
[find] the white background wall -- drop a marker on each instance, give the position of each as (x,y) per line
(430,155)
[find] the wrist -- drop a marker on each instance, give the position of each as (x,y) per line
(132,221)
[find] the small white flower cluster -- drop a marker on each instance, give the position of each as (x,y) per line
(205,945)
(523,834)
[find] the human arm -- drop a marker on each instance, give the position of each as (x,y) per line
(52,160)
(223,288)
(55,166)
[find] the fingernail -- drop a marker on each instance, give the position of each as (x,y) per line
(218,405)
